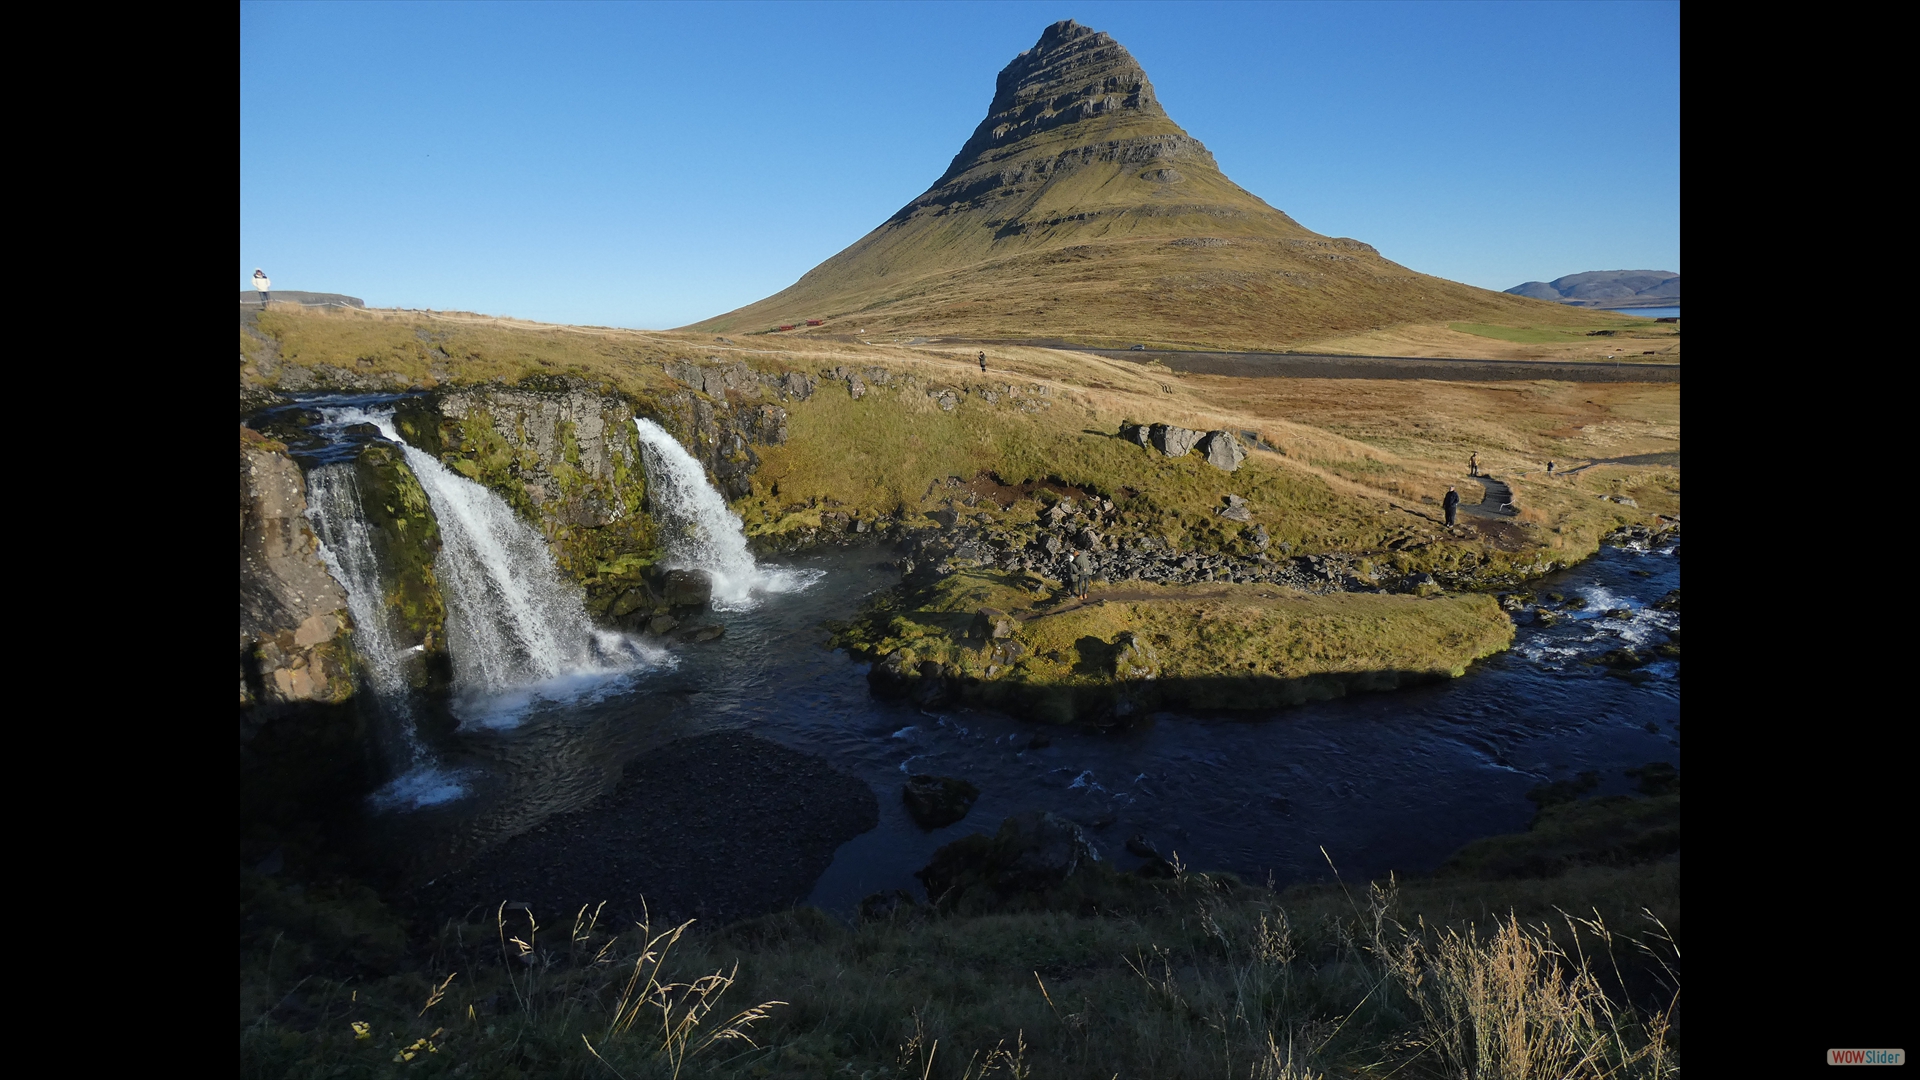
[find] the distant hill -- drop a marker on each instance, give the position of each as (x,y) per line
(310,299)
(1608,289)
(1079,211)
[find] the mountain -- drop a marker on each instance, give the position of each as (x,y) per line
(1608,288)
(1079,210)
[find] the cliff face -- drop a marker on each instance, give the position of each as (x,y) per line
(1079,210)
(293,614)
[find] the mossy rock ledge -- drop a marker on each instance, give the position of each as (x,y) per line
(985,638)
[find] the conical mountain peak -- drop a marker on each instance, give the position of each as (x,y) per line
(1073,74)
(1079,210)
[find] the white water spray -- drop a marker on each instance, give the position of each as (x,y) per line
(517,631)
(699,531)
(334,507)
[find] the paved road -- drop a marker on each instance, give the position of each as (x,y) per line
(1496,503)
(1312,366)
(1328,366)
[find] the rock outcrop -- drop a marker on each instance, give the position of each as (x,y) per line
(1220,448)
(938,801)
(293,614)
(564,456)
(735,412)
(1031,852)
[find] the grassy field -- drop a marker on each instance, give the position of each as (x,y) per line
(1353,464)
(1574,975)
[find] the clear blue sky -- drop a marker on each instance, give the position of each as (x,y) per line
(649,165)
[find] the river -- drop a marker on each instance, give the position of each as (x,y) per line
(1368,784)
(1381,782)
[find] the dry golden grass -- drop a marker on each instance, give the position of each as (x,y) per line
(1192,976)
(1634,337)
(1357,459)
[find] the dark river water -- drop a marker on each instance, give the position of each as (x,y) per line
(1380,782)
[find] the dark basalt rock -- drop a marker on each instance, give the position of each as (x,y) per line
(1624,659)
(689,588)
(1032,852)
(938,801)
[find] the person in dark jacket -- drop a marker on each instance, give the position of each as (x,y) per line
(1082,574)
(1473,464)
(983,363)
(1451,504)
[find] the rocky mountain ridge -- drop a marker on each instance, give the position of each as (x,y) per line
(1607,288)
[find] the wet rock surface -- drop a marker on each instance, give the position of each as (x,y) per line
(717,827)
(938,801)
(1031,852)
(293,614)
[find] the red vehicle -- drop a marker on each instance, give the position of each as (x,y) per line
(815,322)
(786,328)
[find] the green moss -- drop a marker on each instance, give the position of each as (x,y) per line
(1148,646)
(1614,830)
(406,540)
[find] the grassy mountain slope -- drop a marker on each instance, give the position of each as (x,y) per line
(1079,210)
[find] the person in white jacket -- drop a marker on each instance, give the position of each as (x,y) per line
(261,284)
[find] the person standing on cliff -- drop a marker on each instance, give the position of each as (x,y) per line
(1451,504)
(261,285)
(1549,468)
(1082,575)
(983,363)
(1473,464)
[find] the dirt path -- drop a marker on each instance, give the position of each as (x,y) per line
(1496,503)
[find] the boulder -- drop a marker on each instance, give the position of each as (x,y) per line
(1032,852)
(892,677)
(1236,509)
(938,801)
(795,385)
(662,624)
(992,624)
(1136,434)
(1223,451)
(689,588)
(700,634)
(1134,659)
(885,905)
(1624,659)
(1173,441)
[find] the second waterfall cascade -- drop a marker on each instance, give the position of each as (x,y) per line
(699,531)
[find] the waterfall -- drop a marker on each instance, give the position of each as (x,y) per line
(699,531)
(333,505)
(517,631)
